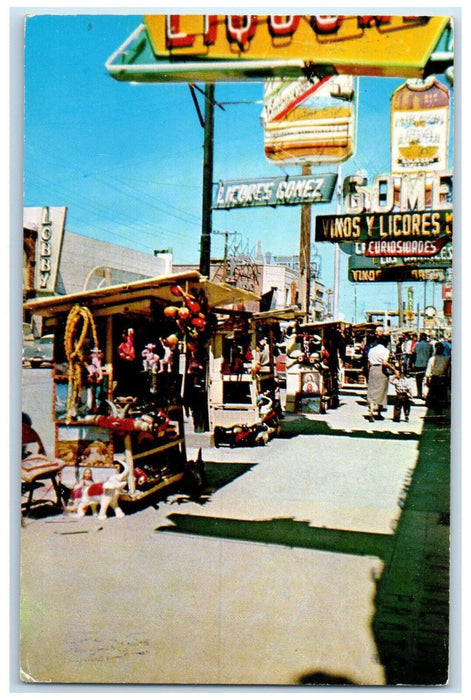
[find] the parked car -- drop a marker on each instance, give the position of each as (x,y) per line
(38,351)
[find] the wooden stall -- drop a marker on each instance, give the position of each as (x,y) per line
(243,367)
(313,368)
(128,361)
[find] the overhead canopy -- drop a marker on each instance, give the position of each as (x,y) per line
(139,295)
(186,48)
(288,314)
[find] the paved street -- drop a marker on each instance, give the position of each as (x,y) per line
(320,558)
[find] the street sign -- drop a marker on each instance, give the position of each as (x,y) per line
(404,273)
(275,191)
(397,226)
(404,248)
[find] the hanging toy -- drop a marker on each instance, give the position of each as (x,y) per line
(183,313)
(150,359)
(126,349)
(171,311)
(193,305)
(172,341)
(198,322)
(190,300)
(95,376)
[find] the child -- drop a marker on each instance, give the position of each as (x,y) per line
(403,396)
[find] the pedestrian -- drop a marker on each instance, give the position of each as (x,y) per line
(378,364)
(437,379)
(446,341)
(407,347)
(369,343)
(403,396)
(421,354)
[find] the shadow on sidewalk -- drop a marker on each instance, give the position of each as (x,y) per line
(306,426)
(412,597)
(410,623)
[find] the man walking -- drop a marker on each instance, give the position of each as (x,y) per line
(422,352)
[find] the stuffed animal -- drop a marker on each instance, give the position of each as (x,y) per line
(151,361)
(105,493)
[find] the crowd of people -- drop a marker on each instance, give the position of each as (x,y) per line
(415,360)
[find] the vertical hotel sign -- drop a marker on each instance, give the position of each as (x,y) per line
(419,127)
(49,222)
(309,121)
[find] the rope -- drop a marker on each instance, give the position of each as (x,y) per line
(73,344)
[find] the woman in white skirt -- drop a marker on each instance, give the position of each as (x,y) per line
(377,393)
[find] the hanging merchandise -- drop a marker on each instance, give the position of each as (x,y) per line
(78,327)
(420,114)
(126,349)
(190,318)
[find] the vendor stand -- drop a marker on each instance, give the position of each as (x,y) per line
(314,359)
(355,370)
(123,358)
(244,387)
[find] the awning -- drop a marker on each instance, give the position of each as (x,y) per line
(139,294)
(287,314)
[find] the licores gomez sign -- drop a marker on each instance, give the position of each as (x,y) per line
(383,45)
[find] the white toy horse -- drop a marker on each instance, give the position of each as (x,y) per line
(105,494)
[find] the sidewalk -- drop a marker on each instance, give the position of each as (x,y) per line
(320,558)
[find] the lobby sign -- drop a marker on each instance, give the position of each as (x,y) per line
(273,192)
(49,223)
(380,45)
(309,121)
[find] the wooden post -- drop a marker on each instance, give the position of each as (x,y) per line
(305,253)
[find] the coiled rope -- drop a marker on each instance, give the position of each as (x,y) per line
(74,340)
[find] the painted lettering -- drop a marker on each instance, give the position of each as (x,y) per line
(210,29)
(283,25)
(368,20)
(326,24)
(441,189)
(240,29)
(175,39)
(44,279)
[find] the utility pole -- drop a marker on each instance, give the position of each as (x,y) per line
(400,314)
(208,157)
(335,306)
(305,253)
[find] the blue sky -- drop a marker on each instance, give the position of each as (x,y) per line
(126,160)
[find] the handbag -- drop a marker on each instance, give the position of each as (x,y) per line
(387,371)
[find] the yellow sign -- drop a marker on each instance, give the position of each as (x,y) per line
(384,45)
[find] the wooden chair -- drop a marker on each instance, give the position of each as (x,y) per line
(37,467)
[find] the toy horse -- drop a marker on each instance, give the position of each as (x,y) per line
(105,494)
